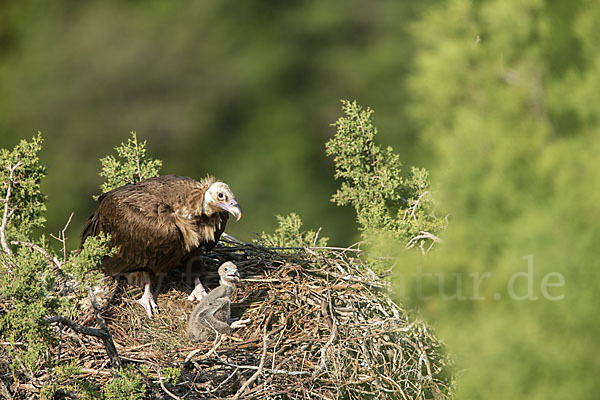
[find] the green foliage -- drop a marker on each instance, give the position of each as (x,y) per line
(289,234)
(171,375)
(506,97)
(130,166)
(33,279)
(129,385)
(27,286)
(371,181)
(67,379)
(26,198)
(83,265)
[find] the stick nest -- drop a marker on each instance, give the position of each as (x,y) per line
(322,326)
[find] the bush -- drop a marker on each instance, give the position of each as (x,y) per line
(36,282)
(386,203)
(289,234)
(130,166)
(129,385)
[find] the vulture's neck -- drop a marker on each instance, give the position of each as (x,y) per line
(196,222)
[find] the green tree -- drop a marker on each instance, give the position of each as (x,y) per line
(505,95)
(386,203)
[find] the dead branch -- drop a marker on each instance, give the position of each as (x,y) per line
(84,330)
(54,262)
(62,238)
(107,338)
(8,212)
(259,370)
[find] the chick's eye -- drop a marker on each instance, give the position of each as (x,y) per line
(220,196)
(226,269)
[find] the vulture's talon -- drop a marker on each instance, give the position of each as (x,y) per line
(147,301)
(199,292)
(149,305)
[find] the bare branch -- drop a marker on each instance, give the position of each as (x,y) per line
(424,235)
(259,371)
(52,260)
(327,312)
(8,212)
(111,350)
(102,332)
(63,239)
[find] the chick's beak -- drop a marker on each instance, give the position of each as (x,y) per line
(235,277)
(234,208)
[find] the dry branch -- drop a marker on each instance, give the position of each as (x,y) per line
(8,212)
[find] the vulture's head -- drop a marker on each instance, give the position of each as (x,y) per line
(229,273)
(219,198)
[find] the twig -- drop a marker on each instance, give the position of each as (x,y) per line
(5,392)
(85,330)
(268,370)
(227,379)
(259,371)
(107,338)
(52,260)
(230,238)
(316,237)
(415,205)
(162,385)
(8,213)
(423,235)
(216,343)
(332,336)
(61,237)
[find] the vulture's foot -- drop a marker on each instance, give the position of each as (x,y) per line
(147,301)
(199,292)
(149,305)
(240,323)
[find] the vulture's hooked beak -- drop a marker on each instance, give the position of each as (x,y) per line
(233,207)
(235,277)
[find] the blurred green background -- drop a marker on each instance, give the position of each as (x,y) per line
(499,99)
(245,91)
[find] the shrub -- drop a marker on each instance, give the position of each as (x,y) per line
(33,277)
(289,234)
(130,166)
(129,385)
(386,203)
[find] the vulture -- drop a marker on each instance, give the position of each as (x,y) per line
(155,223)
(211,316)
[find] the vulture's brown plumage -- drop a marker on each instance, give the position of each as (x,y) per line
(157,222)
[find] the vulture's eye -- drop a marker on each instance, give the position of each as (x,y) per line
(220,196)
(226,269)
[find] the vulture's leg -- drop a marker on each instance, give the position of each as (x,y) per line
(199,292)
(147,300)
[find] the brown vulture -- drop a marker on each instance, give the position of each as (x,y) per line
(157,222)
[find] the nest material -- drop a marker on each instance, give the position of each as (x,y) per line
(323,326)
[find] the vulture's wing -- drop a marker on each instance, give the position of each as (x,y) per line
(143,225)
